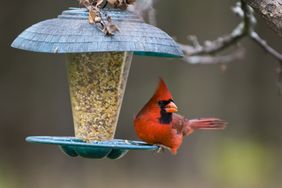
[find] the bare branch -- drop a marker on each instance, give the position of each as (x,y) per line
(213,47)
(207,53)
(262,43)
(244,29)
(271,11)
(210,59)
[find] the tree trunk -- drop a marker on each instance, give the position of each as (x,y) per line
(271,11)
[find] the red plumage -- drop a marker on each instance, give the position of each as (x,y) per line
(157,123)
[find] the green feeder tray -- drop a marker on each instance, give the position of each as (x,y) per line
(113,149)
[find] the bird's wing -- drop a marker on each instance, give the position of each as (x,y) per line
(179,123)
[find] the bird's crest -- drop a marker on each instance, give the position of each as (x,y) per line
(162,92)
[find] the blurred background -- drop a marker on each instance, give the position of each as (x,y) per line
(34,100)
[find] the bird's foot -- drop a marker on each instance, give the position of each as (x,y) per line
(162,148)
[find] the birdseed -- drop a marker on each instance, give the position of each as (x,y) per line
(97,82)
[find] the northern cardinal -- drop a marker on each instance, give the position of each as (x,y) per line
(157,123)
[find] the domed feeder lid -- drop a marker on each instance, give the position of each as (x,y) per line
(71,33)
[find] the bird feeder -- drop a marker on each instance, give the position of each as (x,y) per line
(98,68)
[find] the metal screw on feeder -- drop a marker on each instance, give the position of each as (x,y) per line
(98,68)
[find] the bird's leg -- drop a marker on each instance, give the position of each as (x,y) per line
(162,148)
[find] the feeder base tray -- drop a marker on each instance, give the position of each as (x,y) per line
(112,149)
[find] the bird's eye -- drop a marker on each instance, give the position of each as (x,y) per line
(163,103)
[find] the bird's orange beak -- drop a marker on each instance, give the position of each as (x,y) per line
(171,107)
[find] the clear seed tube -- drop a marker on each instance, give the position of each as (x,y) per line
(97,82)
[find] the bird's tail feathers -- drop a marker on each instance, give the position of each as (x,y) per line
(207,123)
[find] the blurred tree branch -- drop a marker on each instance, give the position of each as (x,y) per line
(270,10)
(196,53)
(207,53)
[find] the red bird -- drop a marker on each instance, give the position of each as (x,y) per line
(157,123)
